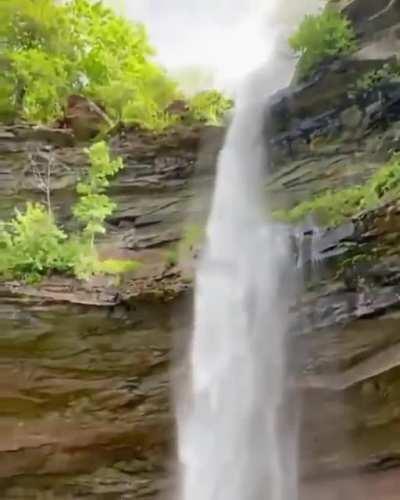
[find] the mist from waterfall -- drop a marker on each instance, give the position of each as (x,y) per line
(216,41)
(230,442)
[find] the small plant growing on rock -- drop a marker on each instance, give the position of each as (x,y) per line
(94,206)
(31,244)
(388,72)
(321,37)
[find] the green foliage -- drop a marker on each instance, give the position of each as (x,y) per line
(210,107)
(333,207)
(39,24)
(31,244)
(320,37)
(57,49)
(388,72)
(86,262)
(113,266)
(6,97)
(94,206)
(54,49)
(385,181)
(44,79)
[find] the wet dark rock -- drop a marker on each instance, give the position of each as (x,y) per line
(345,342)
(370,17)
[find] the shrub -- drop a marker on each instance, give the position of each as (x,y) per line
(320,37)
(209,106)
(31,244)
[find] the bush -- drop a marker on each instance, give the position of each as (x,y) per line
(209,106)
(320,37)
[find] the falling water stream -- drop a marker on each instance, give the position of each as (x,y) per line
(231,446)
(229,439)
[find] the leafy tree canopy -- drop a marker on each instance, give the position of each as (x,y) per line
(320,37)
(50,50)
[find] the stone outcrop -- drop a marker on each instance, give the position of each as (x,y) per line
(85,118)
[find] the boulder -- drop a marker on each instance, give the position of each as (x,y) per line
(85,118)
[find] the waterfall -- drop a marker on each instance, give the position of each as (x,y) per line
(230,440)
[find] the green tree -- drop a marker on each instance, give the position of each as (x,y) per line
(58,49)
(94,206)
(52,49)
(319,37)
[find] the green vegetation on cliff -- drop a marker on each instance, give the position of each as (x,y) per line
(333,207)
(320,37)
(32,245)
(50,50)
(94,206)
(387,73)
(209,106)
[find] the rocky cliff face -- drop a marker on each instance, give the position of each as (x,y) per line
(84,366)
(84,383)
(328,134)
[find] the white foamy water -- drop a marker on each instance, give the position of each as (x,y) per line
(230,440)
